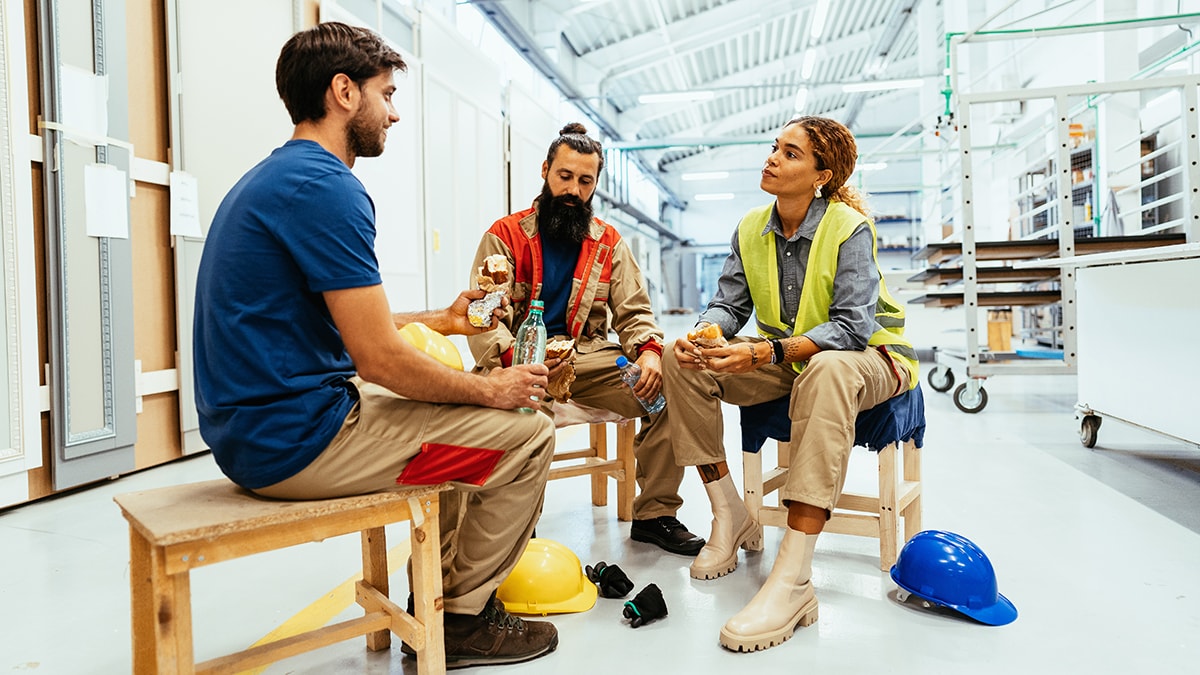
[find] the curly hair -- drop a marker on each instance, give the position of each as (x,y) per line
(834,148)
(574,135)
(311,58)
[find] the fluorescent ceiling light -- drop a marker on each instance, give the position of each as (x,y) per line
(870,166)
(714,196)
(676,96)
(801,99)
(705,175)
(819,16)
(810,60)
(881,85)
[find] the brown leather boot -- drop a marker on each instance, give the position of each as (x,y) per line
(493,637)
(785,600)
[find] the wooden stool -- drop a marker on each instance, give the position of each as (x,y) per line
(595,461)
(901,421)
(173,530)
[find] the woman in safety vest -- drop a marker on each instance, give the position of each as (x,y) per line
(829,335)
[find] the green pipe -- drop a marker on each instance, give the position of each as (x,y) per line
(1039,32)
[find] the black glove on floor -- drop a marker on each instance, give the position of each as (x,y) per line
(645,607)
(611,579)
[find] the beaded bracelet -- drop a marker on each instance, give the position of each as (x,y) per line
(776,350)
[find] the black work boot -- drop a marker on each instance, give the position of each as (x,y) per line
(493,637)
(668,533)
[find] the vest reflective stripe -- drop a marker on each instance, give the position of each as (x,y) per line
(762,277)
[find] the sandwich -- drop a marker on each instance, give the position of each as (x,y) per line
(559,386)
(494,274)
(495,277)
(707,336)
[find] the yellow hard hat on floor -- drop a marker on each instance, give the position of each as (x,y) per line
(548,579)
(432,343)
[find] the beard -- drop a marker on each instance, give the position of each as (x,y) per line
(364,136)
(563,218)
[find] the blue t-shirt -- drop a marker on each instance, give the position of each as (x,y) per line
(271,368)
(559,259)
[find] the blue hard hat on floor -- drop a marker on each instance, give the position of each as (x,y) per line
(948,569)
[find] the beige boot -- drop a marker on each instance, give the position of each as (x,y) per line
(732,526)
(785,600)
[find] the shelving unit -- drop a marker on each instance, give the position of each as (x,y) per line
(1056,218)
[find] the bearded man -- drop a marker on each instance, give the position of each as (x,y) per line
(584,273)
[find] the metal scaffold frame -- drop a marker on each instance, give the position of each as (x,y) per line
(978,362)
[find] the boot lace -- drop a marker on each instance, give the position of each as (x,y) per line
(670,523)
(502,618)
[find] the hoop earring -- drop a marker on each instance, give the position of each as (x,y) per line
(817,192)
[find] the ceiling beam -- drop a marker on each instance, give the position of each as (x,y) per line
(516,36)
(698,27)
(641,61)
(881,54)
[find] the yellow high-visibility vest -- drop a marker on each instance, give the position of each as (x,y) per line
(762,276)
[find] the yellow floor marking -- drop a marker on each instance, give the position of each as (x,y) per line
(322,611)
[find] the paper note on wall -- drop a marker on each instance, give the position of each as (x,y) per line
(185,205)
(106,201)
(84,103)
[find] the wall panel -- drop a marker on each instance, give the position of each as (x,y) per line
(90,323)
(20,437)
(225,117)
(463,155)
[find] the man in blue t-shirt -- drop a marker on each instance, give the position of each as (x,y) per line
(304,386)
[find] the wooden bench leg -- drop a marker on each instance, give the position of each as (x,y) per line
(375,573)
(628,485)
(912,472)
(599,439)
(427,585)
(161,610)
(752,478)
(889,526)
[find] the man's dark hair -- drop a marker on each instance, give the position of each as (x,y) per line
(574,135)
(311,58)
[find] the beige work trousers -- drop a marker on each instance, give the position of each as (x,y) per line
(598,385)
(825,400)
(484,528)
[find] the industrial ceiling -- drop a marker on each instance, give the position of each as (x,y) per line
(731,71)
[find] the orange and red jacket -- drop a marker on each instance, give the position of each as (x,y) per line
(606,281)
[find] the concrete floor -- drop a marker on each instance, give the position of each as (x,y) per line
(1097,548)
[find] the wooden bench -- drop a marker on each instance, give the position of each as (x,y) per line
(174,530)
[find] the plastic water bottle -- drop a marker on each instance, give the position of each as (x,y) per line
(531,340)
(630,374)
(531,337)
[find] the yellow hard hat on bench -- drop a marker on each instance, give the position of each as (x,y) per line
(432,343)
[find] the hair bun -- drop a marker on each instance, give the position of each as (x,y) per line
(573,128)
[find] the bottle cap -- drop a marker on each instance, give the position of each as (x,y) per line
(536,304)
(622,361)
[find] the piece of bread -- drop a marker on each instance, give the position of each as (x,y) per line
(494,274)
(707,336)
(559,386)
(557,349)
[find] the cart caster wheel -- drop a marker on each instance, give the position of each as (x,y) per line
(968,403)
(941,379)
(1089,429)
